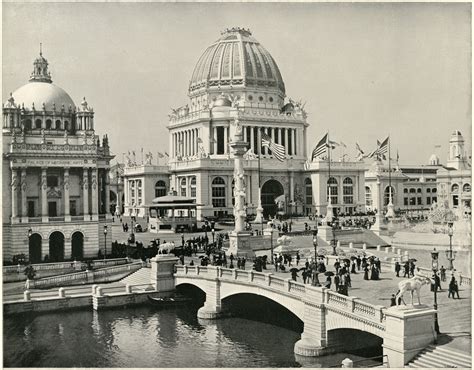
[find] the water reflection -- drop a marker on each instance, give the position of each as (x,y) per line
(146,337)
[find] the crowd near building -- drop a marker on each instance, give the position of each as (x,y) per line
(60,188)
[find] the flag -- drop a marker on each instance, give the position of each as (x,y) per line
(199,140)
(398,157)
(321,148)
(160,155)
(334,144)
(166,154)
(383,148)
(278,150)
(359,149)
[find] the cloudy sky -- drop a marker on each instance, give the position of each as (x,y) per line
(364,70)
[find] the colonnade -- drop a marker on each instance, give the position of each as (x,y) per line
(185,142)
(88,188)
(291,138)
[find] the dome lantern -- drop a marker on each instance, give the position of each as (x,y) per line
(40,71)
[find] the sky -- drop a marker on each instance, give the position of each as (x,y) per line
(364,70)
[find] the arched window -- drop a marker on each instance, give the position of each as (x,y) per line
(58,125)
(405,190)
(160,188)
(218,192)
(386,195)
(428,190)
(348,191)
(308,191)
(412,190)
(466,188)
(28,124)
(454,188)
(38,123)
(183,187)
(433,190)
(368,197)
(418,190)
(332,190)
(132,193)
(193,187)
(48,124)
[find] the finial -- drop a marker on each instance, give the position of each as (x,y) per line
(41,49)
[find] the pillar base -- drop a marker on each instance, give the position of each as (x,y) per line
(87,217)
(209,313)
(308,348)
(67,218)
(44,219)
(95,217)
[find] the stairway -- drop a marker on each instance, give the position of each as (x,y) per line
(441,357)
(141,276)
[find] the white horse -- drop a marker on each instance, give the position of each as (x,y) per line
(412,285)
(166,247)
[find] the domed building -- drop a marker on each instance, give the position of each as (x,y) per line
(237,79)
(55,173)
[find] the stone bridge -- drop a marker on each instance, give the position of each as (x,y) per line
(404,331)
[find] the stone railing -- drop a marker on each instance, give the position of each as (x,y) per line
(352,305)
(59,148)
(84,276)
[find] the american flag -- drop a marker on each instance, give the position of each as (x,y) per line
(277,150)
(383,148)
(321,148)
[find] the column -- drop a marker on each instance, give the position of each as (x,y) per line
(107,195)
(259,141)
(244,128)
(85,194)
(226,149)
(67,216)
(24,211)
(285,132)
(95,200)
(14,187)
(264,148)
(252,139)
(295,140)
(278,130)
(44,195)
(215,140)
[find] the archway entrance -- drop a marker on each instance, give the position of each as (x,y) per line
(77,246)
(56,247)
(34,248)
(270,190)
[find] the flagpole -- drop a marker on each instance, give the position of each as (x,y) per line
(329,213)
(390,213)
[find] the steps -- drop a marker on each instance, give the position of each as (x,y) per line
(441,357)
(142,276)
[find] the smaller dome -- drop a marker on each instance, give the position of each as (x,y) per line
(222,101)
(434,160)
(39,93)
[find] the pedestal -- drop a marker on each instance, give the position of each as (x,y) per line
(377,227)
(325,233)
(162,272)
(239,245)
(390,212)
(259,216)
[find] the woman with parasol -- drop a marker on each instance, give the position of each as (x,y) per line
(366,272)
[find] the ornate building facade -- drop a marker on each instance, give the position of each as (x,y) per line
(55,173)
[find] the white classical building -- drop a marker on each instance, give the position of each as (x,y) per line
(55,174)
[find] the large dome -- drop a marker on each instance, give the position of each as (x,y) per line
(237,60)
(38,93)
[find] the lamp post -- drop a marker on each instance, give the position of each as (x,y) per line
(434,265)
(105,242)
(450,255)
(30,232)
(213,232)
(334,240)
(271,242)
(315,280)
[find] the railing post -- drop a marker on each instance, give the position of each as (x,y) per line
(364,246)
(62,293)
(185,269)
(288,284)
(250,276)
(234,274)
(268,278)
(27,295)
(94,288)
(379,312)
(351,303)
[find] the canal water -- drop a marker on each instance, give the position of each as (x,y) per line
(147,337)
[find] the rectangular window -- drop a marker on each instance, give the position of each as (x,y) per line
(348,199)
(413,201)
(434,199)
(31,208)
(52,209)
(218,202)
(405,201)
(419,201)
(72,208)
(428,200)
(455,200)
(193,192)
(220,140)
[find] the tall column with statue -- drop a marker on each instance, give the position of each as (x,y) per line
(239,239)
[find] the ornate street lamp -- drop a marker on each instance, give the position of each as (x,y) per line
(450,255)
(434,265)
(271,242)
(213,234)
(315,244)
(105,242)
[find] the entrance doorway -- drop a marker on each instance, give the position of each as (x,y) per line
(77,244)
(34,248)
(271,190)
(56,247)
